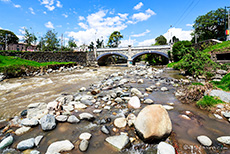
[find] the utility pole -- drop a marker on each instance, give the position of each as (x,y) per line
(228,23)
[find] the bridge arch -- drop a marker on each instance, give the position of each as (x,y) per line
(102,58)
(150,52)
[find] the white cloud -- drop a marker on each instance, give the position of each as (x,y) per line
(97,25)
(138,6)
(189,25)
(65,15)
(6,1)
(125,43)
(49,4)
(49,25)
(1,28)
(45,12)
(82,25)
(142,16)
(49,7)
(81,18)
(123,16)
(59,4)
(179,33)
(147,42)
(59,26)
(21,37)
(22,30)
(31,10)
(141,34)
(17,6)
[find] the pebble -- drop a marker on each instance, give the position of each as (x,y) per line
(97,111)
(226,114)
(164,89)
(29,122)
(22,130)
(165,148)
(217,116)
(73,119)
(85,136)
(119,142)
(6,142)
(26,144)
(148,101)
(82,89)
(37,140)
(185,117)
(140,81)
(61,118)
(204,140)
(35,152)
(120,122)
(224,139)
(59,146)
(167,107)
(86,116)
(105,130)
(48,122)
(84,145)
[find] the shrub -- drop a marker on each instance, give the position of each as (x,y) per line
(180,49)
(224,83)
(208,101)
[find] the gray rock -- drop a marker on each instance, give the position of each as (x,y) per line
(48,122)
(6,142)
(36,110)
(86,116)
(78,105)
(226,114)
(167,107)
(136,92)
(86,102)
(120,142)
(217,116)
(35,152)
(61,118)
(221,72)
(37,140)
(26,144)
(73,119)
(59,146)
(29,122)
(105,130)
(84,145)
(131,118)
(134,102)
(224,96)
(140,81)
(165,148)
(204,140)
(82,89)
(224,139)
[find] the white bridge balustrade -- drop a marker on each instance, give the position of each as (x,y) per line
(130,53)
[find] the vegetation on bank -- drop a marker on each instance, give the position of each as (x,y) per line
(220,47)
(14,66)
(224,84)
(209,101)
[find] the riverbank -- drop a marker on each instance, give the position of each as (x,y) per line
(105,107)
(11,67)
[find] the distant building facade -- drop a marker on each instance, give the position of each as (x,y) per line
(20,47)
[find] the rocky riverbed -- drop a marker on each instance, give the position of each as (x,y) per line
(131,111)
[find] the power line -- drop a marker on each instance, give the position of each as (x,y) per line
(183,13)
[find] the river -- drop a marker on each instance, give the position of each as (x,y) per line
(16,94)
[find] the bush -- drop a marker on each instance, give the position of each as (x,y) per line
(224,83)
(209,101)
(180,49)
(197,63)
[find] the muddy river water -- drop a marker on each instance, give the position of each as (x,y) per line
(16,94)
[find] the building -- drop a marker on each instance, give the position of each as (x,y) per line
(22,47)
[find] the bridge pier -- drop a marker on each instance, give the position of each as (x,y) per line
(129,62)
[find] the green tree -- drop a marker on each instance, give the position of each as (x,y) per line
(174,39)
(51,41)
(180,49)
(10,36)
(41,44)
(72,43)
(91,46)
(161,40)
(114,39)
(29,38)
(99,43)
(210,26)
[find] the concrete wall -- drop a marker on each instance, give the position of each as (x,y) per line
(79,57)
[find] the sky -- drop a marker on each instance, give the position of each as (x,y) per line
(139,21)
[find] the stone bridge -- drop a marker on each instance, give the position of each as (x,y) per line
(131,53)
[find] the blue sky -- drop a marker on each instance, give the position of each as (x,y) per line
(139,21)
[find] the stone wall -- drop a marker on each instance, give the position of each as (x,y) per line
(79,57)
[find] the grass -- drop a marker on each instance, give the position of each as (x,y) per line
(219,47)
(14,66)
(209,101)
(197,84)
(224,84)
(173,63)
